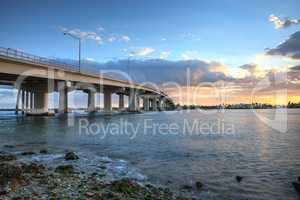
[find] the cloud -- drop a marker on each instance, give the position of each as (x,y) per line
(125,38)
(141,52)
(93,35)
(90,59)
(164,54)
(289,48)
(82,34)
(252,68)
(163,39)
(161,71)
(100,29)
(112,38)
(283,23)
(190,55)
(295,68)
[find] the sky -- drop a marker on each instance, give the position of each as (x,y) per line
(232,41)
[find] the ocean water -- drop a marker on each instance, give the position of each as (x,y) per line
(178,147)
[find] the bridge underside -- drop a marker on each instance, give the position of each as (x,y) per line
(33,95)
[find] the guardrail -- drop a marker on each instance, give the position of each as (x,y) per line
(20,55)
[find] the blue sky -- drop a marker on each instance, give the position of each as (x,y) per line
(228,30)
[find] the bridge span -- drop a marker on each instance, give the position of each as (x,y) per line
(35,77)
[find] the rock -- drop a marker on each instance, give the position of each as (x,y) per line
(185,198)
(43,151)
(296,186)
(238,178)
(65,169)
(27,153)
(102,167)
(187,187)
(3,192)
(10,173)
(199,185)
(33,168)
(8,146)
(71,156)
(126,186)
(7,157)
(89,194)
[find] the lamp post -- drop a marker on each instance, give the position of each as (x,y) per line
(79,48)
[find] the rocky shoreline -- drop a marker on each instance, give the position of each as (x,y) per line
(36,180)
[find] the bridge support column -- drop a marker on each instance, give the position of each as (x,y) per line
(31,101)
(146,103)
(23,102)
(132,100)
(121,101)
(41,101)
(18,102)
(63,97)
(154,104)
(107,99)
(91,101)
(137,102)
(27,101)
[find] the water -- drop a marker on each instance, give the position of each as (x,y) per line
(267,159)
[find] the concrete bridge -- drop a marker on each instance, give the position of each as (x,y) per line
(35,77)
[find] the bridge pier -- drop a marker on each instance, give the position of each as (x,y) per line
(40,102)
(18,102)
(107,99)
(121,101)
(27,101)
(91,101)
(31,101)
(23,101)
(133,100)
(154,104)
(63,97)
(146,103)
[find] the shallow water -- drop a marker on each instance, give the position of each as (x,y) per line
(269,160)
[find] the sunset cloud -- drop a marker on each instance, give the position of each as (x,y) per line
(283,23)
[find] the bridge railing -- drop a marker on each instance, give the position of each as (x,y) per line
(20,55)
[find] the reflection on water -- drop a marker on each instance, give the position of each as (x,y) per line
(267,159)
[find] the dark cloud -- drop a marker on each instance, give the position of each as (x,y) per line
(159,71)
(295,68)
(250,67)
(290,47)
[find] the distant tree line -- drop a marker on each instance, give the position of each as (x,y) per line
(239,106)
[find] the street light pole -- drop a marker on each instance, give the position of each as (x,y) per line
(79,55)
(79,48)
